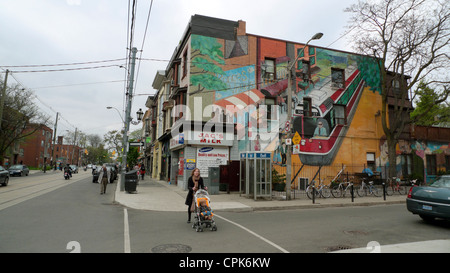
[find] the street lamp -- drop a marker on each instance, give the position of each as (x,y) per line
(139,115)
(110,107)
(316,36)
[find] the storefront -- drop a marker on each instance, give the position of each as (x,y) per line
(199,145)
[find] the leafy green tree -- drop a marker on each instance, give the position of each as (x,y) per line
(427,111)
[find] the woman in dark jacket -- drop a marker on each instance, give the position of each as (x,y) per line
(195,182)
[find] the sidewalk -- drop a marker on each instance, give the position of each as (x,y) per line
(159,195)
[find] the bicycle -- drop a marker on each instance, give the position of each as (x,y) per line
(394,186)
(322,190)
(367,189)
(339,190)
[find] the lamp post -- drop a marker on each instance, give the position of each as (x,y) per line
(110,107)
(139,115)
(316,36)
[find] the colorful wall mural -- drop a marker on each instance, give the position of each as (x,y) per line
(336,98)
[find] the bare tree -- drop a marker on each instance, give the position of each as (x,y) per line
(410,38)
(114,140)
(21,118)
(94,140)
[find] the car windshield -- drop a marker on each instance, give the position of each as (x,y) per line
(442,182)
(16,167)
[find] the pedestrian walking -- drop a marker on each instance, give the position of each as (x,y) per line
(103,178)
(142,171)
(195,182)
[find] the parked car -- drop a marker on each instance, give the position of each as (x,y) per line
(74,168)
(96,173)
(4,176)
(18,170)
(431,201)
(114,170)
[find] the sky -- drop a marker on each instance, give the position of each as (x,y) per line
(91,37)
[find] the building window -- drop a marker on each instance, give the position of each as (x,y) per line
(431,164)
(306,71)
(406,163)
(396,86)
(269,71)
(337,77)
(185,63)
(301,52)
(447,164)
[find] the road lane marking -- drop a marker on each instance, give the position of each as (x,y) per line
(126,243)
(254,234)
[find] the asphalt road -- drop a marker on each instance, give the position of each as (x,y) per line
(72,216)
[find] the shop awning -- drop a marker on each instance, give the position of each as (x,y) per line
(241,100)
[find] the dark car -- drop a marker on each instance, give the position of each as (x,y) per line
(4,176)
(432,201)
(18,170)
(96,173)
(114,170)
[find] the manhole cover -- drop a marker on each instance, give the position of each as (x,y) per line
(172,248)
(337,248)
(355,232)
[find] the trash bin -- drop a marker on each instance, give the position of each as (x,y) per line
(131,179)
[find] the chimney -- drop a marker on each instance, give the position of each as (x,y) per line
(241,29)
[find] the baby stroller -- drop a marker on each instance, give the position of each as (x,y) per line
(201,219)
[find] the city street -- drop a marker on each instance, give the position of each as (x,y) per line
(44,213)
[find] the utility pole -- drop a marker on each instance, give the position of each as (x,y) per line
(127,118)
(73,146)
(289,118)
(2,101)
(54,140)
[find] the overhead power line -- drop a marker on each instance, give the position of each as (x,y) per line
(63,64)
(66,69)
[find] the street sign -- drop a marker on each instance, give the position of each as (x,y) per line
(296,139)
(136,144)
(287,126)
(296,149)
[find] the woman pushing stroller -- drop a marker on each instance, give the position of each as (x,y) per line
(195,182)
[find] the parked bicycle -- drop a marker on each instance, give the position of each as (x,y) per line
(394,185)
(322,190)
(341,190)
(365,189)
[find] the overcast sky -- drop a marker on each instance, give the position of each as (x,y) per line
(48,32)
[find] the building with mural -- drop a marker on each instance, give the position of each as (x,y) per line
(226,91)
